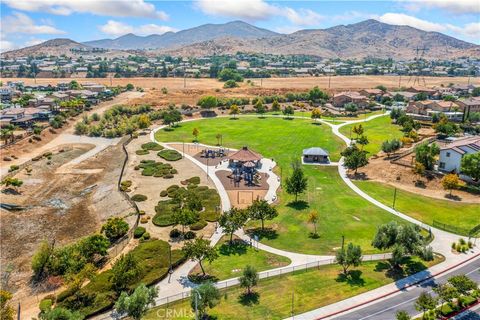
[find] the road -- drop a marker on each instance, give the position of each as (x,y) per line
(388,307)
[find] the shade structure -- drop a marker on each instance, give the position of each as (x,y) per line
(245,155)
(249,164)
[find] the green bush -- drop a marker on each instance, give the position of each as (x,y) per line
(174,171)
(194,180)
(146,236)
(172,188)
(170,155)
(152,146)
(139,197)
(168,176)
(199,225)
(155,169)
(163,193)
(138,232)
(142,152)
(13,167)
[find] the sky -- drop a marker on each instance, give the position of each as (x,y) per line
(29,22)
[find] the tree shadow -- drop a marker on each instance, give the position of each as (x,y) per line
(11,191)
(246,299)
(288,118)
(200,278)
(420,184)
(312,235)
(234,119)
(238,247)
(453,197)
(267,233)
(358,176)
(316,123)
(352,278)
(406,268)
(298,205)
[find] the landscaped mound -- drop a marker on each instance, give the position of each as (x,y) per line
(152,146)
(178,197)
(156,169)
(170,155)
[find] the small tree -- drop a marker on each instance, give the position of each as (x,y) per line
(125,270)
(390,146)
(351,107)
(204,297)
(363,141)
(232,220)
(351,256)
(402,315)
(354,158)
(316,114)
(234,110)
(14,182)
(297,182)
(115,228)
(358,130)
(425,302)
(463,284)
(218,136)
(185,217)
(41,259)
(260,107)
(195,133)
(446,292)
(261,210)
(136,305)
(450,182)
(425,154)
(200,250)
(6,310)
(129,87)
(470,165)
(313,219)
(208,102)
(275,106)
(249,279)
(288,111)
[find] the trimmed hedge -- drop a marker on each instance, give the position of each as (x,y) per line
(139,231)
(139,197)
(170,155)
(155,169)
(152,146)
(142,152)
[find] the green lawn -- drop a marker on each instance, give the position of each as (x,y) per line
(233,258)
(311,289)
(341,211)
(424,208)
(377,131)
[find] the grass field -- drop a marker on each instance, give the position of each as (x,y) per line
(233,258)
(424,208)
(312,289)
(341,211)
(377,131)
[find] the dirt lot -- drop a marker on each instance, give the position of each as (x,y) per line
(59,206)
(152,186)
(402,177)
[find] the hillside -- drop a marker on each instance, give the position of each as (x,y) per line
(237,29)
(51,47)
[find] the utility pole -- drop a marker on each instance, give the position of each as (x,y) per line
(170,270)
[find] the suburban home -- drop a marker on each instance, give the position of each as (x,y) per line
(372,93)
(6,94)
(470,105)
(419,107)
(341,99)
(315,155)
(445,106)
(430,92)
(451,155)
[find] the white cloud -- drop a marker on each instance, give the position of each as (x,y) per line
(117,8)
(352,15)
(33,42)
(116,28)
(470,30)
(406,20)
(451,6)
(7,46)
(287,29)
(253,10)
(21,23)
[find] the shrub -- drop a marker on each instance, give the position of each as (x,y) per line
(142,152)
(230,84)
(174,171)
(156,169)
(194,180)
(172,188)
(13,167)
(198,225)
(124,185)
(189,235)
(152,146)
(170,155)
(146,236)
(168,176)
(426,254)
(175,233)
(163,193)
(138,232)
(144,220)
(139,197)
(115,228)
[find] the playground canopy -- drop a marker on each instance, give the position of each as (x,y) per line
(245,155)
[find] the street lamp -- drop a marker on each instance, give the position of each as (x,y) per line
(170,269)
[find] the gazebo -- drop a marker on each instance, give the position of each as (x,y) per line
(315,155)
(245,158)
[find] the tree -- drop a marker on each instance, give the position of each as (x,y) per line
(315,94)
(232,220)
(476,92)
(115,228)
(297,183)
(446,292)
(234,110)
(14,182)
(351,107)
(354,158)
(288,111)
(402,315)
(124,272)
(60,313)
(425,302)
(425,154)
(218,136)
(444,127)
(144,121)
(249,279)
(200,250)
(92,245)
(40,259)
(204,297)
(74,85)
(6,310)
(230,74)
(463,284)
(390,146)
(208,102)
(316,114)
(275,106)
(185,217)
(195,133)
(450,182)
(358,130)
(136,305)
(230,84)
(382,88)
(313,219)
(171,117)
(470,165)
(260,107)
(362,140)
(261,210)
(129,87)
(351,256)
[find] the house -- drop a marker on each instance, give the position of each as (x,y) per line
(6,94)
(341,99)
(430,92)
(445,106)
(470,105)
(315,155)
(419,107)
(372,93)
(451,155)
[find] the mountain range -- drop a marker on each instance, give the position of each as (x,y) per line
(369,38)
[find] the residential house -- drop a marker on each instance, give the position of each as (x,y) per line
(451,154)
(470,105)
(339,100)
(419,107)
(6,94)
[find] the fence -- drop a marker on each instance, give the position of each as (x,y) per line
(449,228)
